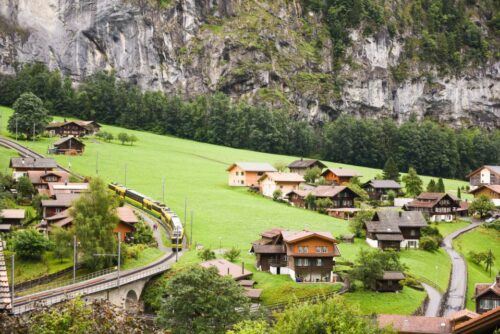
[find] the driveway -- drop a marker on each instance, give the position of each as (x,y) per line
(434,303)
(458,285)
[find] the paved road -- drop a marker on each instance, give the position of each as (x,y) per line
(434,303)
(458,285)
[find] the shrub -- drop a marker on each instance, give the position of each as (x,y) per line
(143,234)
(133,251)
(322,204)
(494,225)
(429,243)
(277,194)
(232,254)
(477,257)
(123,137)
(206,254)
(29,244)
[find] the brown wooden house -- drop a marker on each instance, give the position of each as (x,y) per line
(390,282)
(485,175)
(68,145)
(491,191)
(437,206)
(302,165)
(341,196)
(73,128)
(305,256)
(11,217)
(22,165)
(378,189)
(339,176)
(487,296)
(41,179)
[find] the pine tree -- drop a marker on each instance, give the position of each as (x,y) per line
(391,171)
(440,186)
(413,183)
(489,261)
(459,193)
(431,186)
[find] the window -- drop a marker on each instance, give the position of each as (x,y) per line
(241,182)
(301,262)
(319,262)
(321,249)
(303,249)
(413,232)
(242,173)
(260,173)
(489,304)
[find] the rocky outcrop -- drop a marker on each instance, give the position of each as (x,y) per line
(262,51)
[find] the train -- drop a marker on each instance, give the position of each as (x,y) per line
(167,216)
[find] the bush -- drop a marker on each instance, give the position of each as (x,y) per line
(143,234)
(429,243)
(133,251)
(494,225)
(277,194)
(206,254)
(322,204)
(232,254)
(477,257)
(29,244)
(24,187)
(411,282)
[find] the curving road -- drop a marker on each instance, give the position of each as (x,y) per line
(457,290)
(434,304)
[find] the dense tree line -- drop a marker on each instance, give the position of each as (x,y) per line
(430,148)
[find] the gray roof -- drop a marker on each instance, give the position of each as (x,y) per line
(65,139)
(496,169)
(308,163)
(393,275)
(382,227)
(32,163)
(384,184)
(389,237)
(268,249)
(401,218)
(254,166)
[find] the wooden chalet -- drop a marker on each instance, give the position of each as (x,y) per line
(61,202)
(487,296)
(57,188)
(436,206)
(486,323)
(485,175)
(339,176)
(22,165)
(247,174)
(41,179)
(284,182)
(68,145)
(378,189)
(73,128)
(492,191)
(301,166)
(341,196)
(390,281)
(390,229)
(10,218)
(305,256)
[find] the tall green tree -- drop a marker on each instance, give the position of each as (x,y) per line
(29,244)
(459,193)
(481,205)
(489,261)
(312,174)
(413,183)
(440,186)
(391,170)
(201,301)
(30,116)
(95,218)
(370,265)
(63,242)
(24,187)
(431,186)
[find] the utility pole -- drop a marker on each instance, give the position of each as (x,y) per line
(163,190)
(191,238)
(74,258)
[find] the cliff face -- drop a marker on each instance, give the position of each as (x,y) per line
(262,51)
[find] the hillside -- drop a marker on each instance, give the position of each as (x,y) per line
(317,59)
(225,216)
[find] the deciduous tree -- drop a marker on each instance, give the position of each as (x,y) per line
(370,265)
(312,174)
(29,117)
(481,205)
(29,244)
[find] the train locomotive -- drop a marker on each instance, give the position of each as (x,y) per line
(167,216)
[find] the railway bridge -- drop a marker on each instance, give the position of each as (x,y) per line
(122,288)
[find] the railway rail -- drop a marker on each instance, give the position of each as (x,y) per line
(105,282)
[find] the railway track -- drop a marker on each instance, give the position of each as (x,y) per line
(109,281)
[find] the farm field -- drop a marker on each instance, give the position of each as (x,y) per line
(478,240)
(223,216)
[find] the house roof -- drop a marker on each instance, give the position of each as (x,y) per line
(429,199)
(61,215)
(225,267)
(64,222)
(462,314)
(401,218)
(328,191)
(13,213)
(306,163)
(253,166)
(383,184)
(389,236)
(415,324)
(393,275)
(268,249)
(65,139)
(272,233)
(482,288)
(283,177)
(126,215)
(33,163)
(484,323)
(84,124)
(246,283)
(493,168)
(294,236)
(300,192)
(5,227)
(35,176)
(342,172)
(62,200)
(493,187)
(382,227)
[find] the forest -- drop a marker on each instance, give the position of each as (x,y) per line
(431,148)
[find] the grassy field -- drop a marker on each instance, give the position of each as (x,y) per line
(447,228)
(478,240)
(223,216)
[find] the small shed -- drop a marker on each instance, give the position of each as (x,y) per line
(68,145)
(12,216)
(348,238)
(390,281)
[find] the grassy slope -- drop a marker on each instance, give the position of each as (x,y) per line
(478,240)
(447,228)
(196,171)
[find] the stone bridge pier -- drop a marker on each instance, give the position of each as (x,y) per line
(127,296)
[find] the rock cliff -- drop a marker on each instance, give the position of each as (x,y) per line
(262,51)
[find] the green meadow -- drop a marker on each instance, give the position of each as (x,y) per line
(195,173)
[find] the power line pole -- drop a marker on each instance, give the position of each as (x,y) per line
(176,247)
(191,238)
(185,211)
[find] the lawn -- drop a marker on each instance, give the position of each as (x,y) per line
(447,228)
(478,240)
(148,255)
(223,216)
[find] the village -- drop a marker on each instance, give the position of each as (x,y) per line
(380,213)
